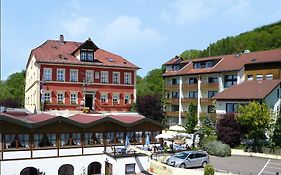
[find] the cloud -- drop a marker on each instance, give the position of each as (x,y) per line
(184,12)
(128,30)
(77,26)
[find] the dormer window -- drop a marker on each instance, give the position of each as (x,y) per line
(87,56)
(205,64)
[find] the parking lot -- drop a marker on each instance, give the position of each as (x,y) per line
(246,165)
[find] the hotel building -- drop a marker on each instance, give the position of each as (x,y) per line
(196,81)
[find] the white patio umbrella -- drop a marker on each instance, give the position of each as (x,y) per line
(164,136)
(181,134)
(177,128)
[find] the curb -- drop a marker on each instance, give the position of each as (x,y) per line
(240,152)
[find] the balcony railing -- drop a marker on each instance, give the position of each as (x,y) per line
(189,100)
(174,114)
(170,87)
(189,86)
(206,101)
(173,100)
(208,86)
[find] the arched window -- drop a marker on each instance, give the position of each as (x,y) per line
(66,169)
(94,168)
(29,171)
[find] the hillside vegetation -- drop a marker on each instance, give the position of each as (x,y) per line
(263,38)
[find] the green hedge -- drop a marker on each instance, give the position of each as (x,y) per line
(217,148)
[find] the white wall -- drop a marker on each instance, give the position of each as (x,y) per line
(221,106)
(272,101)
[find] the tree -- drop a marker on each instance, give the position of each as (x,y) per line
(228,130)
(191,119)
(277,130)
(190,54)
(255,119)
(12,90)
(150,106)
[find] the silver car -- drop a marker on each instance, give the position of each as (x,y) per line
(188,159)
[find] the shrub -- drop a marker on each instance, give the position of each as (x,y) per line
(209,170)
(228,130)
(217,148)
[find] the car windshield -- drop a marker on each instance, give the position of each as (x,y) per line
(181,155)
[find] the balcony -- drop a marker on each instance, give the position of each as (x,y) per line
(174,114)
(207,101)
(208,86)
(189,86)
(170,87)
(173,100)
(189,100)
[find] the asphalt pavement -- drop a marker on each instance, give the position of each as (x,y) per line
(245,165)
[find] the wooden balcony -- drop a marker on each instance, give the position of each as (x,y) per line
(189,87)
(189,100)
(173,100)
(175,114)
(207,101)
(170,87)
(207,86)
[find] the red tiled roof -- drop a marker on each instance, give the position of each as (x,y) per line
(173,60)
(127,118)
(53,52)
(229,62)
(37,118)
(84,118)
(248,90)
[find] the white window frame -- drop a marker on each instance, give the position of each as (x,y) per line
(63,75)
(269,76)
(259,77)
(50,96)
(89,76)
(105,95)
(76,76)
(116,79)
(63,97)
(76,97)
(250,77)
(45,72)
(128,97)
(114,95)
(104,77)
(127,78)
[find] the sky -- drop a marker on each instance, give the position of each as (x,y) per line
(147,33)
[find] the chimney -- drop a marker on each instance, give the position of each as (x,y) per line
(61,39)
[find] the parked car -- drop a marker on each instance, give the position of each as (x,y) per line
(188,159)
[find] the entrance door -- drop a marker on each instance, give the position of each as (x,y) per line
(89,101)
(108,168)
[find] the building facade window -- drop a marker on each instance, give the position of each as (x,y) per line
(44,140)
(193,94)
(70,139)
(250,77)
(104,77)
(73,98)
(175,108)
(115,98)
(60,98)
(269,76)
(93,138)
(259,77)
(127,78)
(47,74)
(89,76)
(211,109)
(212,93)
(230,80)
(213,80)
(127,99)
(60,75)
(103,98)
(175,81)
(73,75)
(110,137)
(87,56)
(175,95)
(47,97)
(16,141)
(130,168)
(231,107)
(192,81)
(116,77)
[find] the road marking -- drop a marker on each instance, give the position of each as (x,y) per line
(264,166)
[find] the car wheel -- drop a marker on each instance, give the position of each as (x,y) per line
(204,164)
(182,165)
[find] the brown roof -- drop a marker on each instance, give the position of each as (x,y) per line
(248,90)
(53,52)
(174,60)
(229,62)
